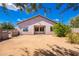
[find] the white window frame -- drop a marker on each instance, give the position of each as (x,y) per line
(24,29)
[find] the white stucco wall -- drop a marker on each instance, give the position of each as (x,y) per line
(36,21)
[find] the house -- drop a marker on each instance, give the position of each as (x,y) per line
(36,25)
(75,30)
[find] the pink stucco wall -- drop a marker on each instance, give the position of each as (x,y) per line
(36,21)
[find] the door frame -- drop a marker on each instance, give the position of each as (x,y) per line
(39,29)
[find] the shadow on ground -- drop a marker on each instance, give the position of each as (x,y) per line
(55,51)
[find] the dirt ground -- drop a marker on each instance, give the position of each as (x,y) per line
(18,46)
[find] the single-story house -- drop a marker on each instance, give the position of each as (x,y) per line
(36,25)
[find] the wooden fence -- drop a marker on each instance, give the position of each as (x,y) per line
(14,32)
(4,35)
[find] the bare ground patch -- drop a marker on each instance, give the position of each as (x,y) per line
(44,45)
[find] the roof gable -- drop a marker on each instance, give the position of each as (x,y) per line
(35,17)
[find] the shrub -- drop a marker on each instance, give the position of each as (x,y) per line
(73,38)
(61,30)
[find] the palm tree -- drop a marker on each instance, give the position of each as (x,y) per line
(33,7)
(28,7)
(73,6)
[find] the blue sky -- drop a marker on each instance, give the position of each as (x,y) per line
(15,15)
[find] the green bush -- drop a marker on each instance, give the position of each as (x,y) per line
(61,30)
(73,38)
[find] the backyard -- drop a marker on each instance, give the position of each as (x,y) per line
(42,34)
(36,45)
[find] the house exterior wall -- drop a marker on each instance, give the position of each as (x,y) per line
(35,21)
(75,30)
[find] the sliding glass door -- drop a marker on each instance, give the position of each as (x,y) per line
(39,29)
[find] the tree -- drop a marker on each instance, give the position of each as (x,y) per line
(75,22)
(0,26)
(61,30)
(7,26)
(72,6)
(28,7)
(31,7)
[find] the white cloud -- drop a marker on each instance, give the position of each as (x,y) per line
(0,4)
(19,20)
(57,20)
(10,6)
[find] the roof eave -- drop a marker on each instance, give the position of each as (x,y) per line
(34,17)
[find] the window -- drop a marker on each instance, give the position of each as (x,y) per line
(25,29)
(51,29)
